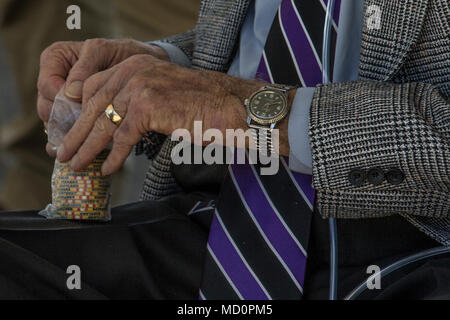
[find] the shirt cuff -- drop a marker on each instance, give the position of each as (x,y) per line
(300,158)
(176,55)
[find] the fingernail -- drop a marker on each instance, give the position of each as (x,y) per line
(75,90)
(74,162)
(60,153)
(105,169)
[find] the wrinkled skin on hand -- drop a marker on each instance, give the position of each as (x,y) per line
(152,95)
(71,63)
(149,93)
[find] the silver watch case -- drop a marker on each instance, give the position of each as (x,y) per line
(266,123)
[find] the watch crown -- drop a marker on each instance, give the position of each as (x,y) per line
(246,102)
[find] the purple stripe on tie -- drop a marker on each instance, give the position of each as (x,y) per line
(304,182)
(336,11)
(232,263)
(301,47)
(263,72)
(269,222)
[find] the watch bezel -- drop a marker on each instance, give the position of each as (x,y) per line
(278,118)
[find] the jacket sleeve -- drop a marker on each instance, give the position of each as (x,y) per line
(397,135)
(184,41)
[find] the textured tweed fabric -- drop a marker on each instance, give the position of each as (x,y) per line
(393,117)
(159,181)
(371,124)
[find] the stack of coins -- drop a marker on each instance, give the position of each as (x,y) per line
(81,195)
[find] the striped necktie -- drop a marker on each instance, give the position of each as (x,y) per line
(260,229)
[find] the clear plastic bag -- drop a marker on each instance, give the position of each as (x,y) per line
(76,195)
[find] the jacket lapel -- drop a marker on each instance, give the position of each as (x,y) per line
(384,49)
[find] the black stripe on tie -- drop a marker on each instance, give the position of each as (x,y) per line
(313,17)
(253,247)
(289,203)
(220,288)
(279,58)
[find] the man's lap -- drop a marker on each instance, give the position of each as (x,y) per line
(154,250)
(149,250)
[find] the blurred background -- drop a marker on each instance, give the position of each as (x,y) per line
(27,27)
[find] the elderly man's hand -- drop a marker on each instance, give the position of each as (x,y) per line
(151,95)
(71,63)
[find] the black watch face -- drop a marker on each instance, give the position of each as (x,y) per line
(267,105)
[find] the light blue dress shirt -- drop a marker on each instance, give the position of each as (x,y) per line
(251,44)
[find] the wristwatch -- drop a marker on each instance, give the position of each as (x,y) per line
(265,108)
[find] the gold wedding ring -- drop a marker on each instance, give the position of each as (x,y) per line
(112,115)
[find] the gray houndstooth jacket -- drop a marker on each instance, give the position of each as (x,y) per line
(396,116)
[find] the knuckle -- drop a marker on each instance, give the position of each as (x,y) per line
(81,67)
(108,91)
(130,64)
(43,109)
(58,48)
(149,96)
(88,86)
(44,54)
(140,106)
(118,136)
(140,59)
(100,127)
(42,83)
(144,110)
(95,43)
(44,115)
(49,50)
(136,58)
(132,59)
(136,82)
(90,107)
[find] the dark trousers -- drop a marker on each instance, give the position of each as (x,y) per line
(154,250)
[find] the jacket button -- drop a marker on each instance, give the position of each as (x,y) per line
(375,176)
(395,176)
(357,177)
